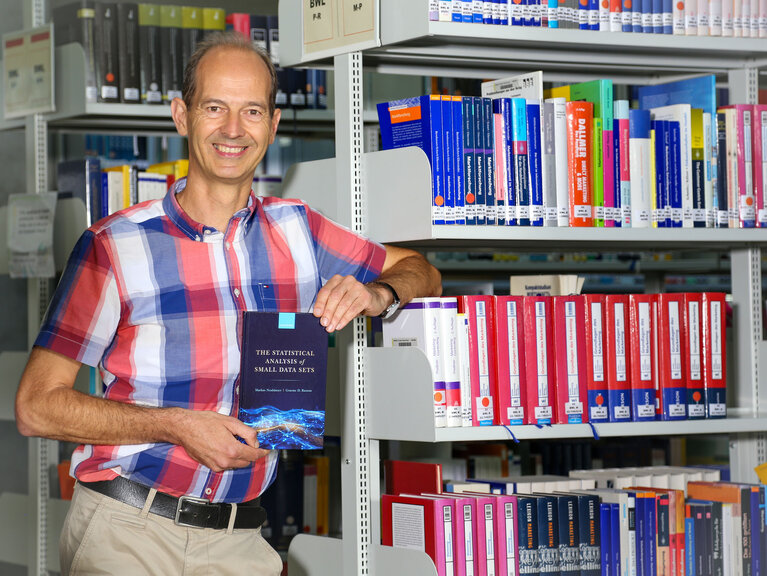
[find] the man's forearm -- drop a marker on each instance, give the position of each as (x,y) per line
(413,277)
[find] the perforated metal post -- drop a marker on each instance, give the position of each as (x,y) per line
(351,209)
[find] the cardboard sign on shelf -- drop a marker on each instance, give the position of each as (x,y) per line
(333,26)
(30,235)
(28,77)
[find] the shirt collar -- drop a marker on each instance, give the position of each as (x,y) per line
(194,230)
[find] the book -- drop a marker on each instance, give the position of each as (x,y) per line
(191,31)
(213,20)
(693,355)
(283,501)
(82,178)
(569,345)
(682,113)
(579,152)
(479,312)
(618,351)
(128,52)
(511,394)
(548,535)
(151,186)
(722,210)
(560,151)
(75,22)
(520,151)
(282,379)
(639,163)
(462,519)
(106,45)
(605,545)
(698,165)
(469,159)
(595,346)
(321,491)
(539,356)
(418,324)
(419,522)
(623,173)
(672,375)
(150,50)
(744,164)
(714,354)
(171,22)
(527,512)
(534,161)
(448,326)
(464,351)
(418,122)
(410,477)
(759,141)
(643,359)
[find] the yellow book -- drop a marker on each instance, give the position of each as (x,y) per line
(177,168)
(698,168)
(128,184)
(655,210)
(322,465)
(213,19)
(558,92)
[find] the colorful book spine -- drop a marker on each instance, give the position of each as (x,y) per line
(639,166)
(447,156)
(617,357)
(480,162)
(459,191)
(464,364)
(469,160)
(722,212)
(714,354)
(560,151)
(521,171)
(698,169)
(511,394)
(693,355)
(579,132)
(623,175)
(611,196)
(596,368)
(676,201)
(479,311)
(643,356)
(672,381)
(760,161)
(448,325)
(539,360)
(500,160)
(489,174)
(534,153)
(569,328)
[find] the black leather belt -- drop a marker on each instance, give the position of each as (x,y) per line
(184,511)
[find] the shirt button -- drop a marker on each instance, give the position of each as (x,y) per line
(208,491)
(207,231)
(197,238)
(237,292)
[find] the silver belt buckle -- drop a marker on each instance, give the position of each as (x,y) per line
(181,501)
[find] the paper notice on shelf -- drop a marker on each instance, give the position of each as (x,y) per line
(332,26)
(28,72)
(30,235)
(553,285)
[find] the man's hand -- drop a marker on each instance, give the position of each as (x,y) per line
(210,438)
(343,298)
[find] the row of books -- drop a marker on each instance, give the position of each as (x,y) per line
(733,18)
(572,156)
(137,52)
(511,360)
(694,524)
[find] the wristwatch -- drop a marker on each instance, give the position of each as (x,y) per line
(394,306)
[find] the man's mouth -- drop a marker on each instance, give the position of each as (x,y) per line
(229,149)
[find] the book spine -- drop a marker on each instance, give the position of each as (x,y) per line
(676,172)
(464,365)
(469,165)
(626,16)
(678,18)
(527,511)
(715,17)
(150,51)
(709,168)
(714,354)
(480,161)
(538,354)
(128,53)
(106,45)
(671,338)
(621,114)
(698,170)
(431,106)
(611,198)
(569,553)
(448,323)
(489,143)
(660,129)
(733,173)
(446,142)
(511,397)
(746,200)
(510,216)
(617,360)
(590,535)
(639,166)
(722,212)
(597,397)
(534,162)
(570,357)
(521,174)
(760,163)
(579,128)
(605,545)
(548,546)
(696,402)
(549,166)
(643,361)
(597,173)
(459,193)
(499,152)
(560,153)
(481,329)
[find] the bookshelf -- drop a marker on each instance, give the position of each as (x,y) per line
(381,398)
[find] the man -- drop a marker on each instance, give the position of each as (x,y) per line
(152,295)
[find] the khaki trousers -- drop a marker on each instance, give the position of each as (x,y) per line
(104,536)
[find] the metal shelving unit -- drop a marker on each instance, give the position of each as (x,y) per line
(395,187)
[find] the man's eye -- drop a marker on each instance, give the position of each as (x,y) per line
(214,108)
(255,113)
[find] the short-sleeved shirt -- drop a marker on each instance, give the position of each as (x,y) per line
(154,300)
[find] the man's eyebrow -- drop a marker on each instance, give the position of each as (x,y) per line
(208,101)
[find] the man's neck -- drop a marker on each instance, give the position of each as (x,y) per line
(212,205)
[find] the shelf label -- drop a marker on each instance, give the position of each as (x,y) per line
(28,86)
(333,25)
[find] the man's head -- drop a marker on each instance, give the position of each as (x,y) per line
(218,40)
(227,111)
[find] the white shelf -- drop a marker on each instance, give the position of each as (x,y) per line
(14,516)
(400,382)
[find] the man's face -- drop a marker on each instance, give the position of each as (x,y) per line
(227,123)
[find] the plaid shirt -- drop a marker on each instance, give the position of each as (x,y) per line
(154,299)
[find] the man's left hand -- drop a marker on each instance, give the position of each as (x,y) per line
(343,298)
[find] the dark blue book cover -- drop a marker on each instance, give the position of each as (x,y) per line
(660,127)
(458,182)
(548,535)
(534,162)
(282,379)
(488,124)
(469,161)
(448,177)
(480,162)
(675,175)
(615,538)
(722,220)
(508,142)
(689,543)
(640,522)
(82,178)
(569,552)
(650,534)
(284,501)
(606,546)
(590,534)
(527,512)
(617,210)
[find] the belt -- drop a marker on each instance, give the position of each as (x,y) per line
(185,510)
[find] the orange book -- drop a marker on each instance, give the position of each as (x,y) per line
(580,126)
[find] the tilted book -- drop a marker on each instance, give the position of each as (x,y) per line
(282,379)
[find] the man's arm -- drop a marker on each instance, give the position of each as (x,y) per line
(343,298)
(47,405)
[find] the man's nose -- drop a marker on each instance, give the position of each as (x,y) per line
(233,126)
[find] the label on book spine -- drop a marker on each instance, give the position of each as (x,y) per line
(484,406)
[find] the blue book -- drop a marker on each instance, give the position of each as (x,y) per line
(606,548)
(640,523)
(503,12)
(527,529)
(618,206)
(488,141)
(646,9)
(487,12)
(534,161)
(650,542)
(593,15)
(82,179)
(448,157)
(517,12)
(657,16)
(569,551)
(467,16)
(531,9)
(282,379)
(548,535)
(456,14)
(626,8)
(496,15)
(521,172)
(477,11)
(508,142)
(722,220)
(661,191)
(689,543)
(668,16)
(636,16)
(103,207)
(615,541)
(469,160)
(553,13)
(583,16)
(417,122)
(675,175)
(590,534)
(479,158)
(459,210)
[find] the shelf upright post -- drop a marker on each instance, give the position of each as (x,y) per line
(747,450)
(355,457)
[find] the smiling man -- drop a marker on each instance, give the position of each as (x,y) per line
(153,295)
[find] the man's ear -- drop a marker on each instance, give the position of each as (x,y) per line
(178,113)
(275,122)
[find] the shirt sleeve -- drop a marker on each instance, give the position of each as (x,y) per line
(83,315)
(341,251)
